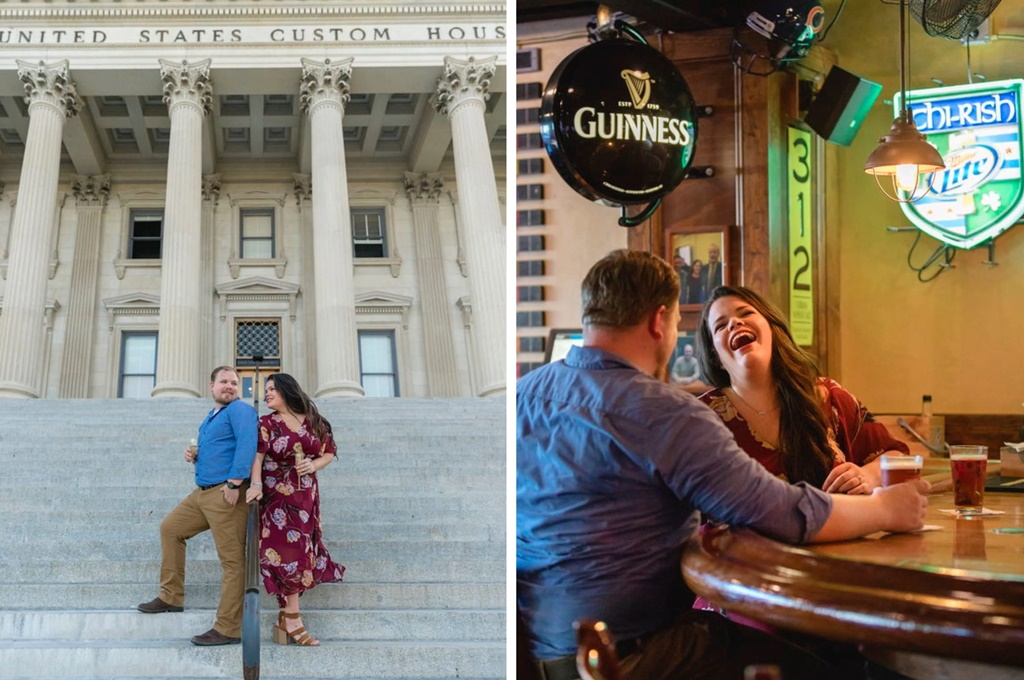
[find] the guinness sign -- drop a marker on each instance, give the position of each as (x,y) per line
(617,120)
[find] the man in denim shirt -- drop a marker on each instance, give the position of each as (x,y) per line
(613,467)
(223,463)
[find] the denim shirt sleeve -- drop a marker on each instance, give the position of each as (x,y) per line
(243,421)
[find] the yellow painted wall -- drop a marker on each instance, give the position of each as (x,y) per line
(960,337)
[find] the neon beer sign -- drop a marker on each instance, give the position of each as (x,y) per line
(977,129)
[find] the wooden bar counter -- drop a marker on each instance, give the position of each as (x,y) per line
(945,603)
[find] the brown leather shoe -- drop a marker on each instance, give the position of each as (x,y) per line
(158,606)
(214,637)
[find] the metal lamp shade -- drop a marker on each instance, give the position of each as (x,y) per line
(904,145)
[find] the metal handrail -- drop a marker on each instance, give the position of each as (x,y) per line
(251,603)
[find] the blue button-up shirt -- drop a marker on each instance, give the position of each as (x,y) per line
(612,467)
(227,444)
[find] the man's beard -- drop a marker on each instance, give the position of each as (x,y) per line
(225,400)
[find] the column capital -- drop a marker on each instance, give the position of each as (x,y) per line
(91,191)
(463,80)
(50,84)
(423,186)
(303,187)
(324,81)
(211,188)
(186,83)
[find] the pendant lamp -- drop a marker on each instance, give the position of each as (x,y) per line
(903,155)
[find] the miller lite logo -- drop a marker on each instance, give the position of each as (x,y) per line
(617,119)
(977,129)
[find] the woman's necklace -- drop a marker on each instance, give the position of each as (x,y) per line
(751,406)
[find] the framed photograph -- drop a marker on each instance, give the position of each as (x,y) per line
(682,365)
(699,256)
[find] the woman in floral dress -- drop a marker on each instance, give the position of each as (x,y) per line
(295,442)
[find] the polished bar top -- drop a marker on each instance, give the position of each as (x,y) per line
(956,591)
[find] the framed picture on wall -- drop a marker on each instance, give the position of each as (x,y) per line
(682,365)
(699,256)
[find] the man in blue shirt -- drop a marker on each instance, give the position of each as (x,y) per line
(612,468)
(223,463)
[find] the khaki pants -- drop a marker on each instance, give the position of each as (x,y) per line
(202,510)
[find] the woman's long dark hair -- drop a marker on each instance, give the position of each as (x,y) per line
(299,402)
(803,428)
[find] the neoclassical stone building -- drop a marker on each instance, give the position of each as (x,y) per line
(185,184)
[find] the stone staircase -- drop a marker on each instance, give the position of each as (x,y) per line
(414,507)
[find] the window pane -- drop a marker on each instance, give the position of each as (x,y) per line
(375,353)
(378,386)
(145,250)
(137,386)
(145,227)
(257,248)
(255,225)
(369,250)
(140,354)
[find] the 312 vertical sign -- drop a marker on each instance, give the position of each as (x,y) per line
(801,273)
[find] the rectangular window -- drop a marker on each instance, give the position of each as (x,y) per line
(530,319)
(257,231)
(531,166)
(528,141)
(530,268)
(531,244)
(145,234)
(530,293)
(256,338)
(531,344)
(368,234)
(138,365)
(377,362)
(529,218)
(529,192)
(526,91)
(527,116)
(527,59)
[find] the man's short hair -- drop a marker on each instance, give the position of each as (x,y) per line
(626,286)
(216,372)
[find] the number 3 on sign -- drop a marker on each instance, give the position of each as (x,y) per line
(801,276)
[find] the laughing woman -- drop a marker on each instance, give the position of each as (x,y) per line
(800,425)
(295,443)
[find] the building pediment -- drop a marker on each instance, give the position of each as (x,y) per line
(133,301)
(257,285)
(131,304)
(379,298)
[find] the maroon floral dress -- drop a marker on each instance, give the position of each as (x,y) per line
(293,557)
(853,435)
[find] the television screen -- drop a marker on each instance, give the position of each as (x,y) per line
(559,342)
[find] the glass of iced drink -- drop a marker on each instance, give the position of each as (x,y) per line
(896,469)
(968,465)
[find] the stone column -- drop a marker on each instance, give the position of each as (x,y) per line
(303,193)
(188,94)
(442,374)
(207,360)
(51,99)
(91,194)
(461,93)
(324,93)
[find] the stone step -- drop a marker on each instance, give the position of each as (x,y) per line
(366,624)
(112,526)
(51,660)
(36,570)
(400,596)
(380,507)
(137,549)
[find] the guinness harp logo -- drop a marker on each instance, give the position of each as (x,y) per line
(639,86)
